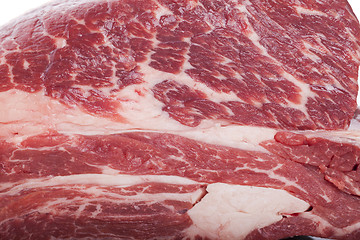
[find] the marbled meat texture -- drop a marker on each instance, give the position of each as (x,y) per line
(63,186)
(142,119)
(248,62)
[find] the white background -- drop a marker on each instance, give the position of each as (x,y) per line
(10,9)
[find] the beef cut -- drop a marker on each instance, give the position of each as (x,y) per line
(180,119)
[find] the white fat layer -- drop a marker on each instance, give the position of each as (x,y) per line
(301,10)
(232,211)
(92,179)
(243,137)
(21,120)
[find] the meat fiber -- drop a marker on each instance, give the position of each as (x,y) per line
(181,119)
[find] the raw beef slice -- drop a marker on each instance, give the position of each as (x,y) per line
(180,119)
